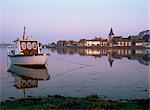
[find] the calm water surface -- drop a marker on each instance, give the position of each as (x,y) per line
(114,74)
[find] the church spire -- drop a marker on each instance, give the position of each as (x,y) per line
(111,32)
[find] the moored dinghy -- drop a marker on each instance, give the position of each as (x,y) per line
(26,52)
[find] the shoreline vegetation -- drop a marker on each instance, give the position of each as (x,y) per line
(57,102)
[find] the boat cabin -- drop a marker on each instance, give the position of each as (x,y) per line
(24,47)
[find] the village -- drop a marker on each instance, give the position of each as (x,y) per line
(135,41)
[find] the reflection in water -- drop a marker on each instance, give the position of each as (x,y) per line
(141,55)
(27,77)
(79,72)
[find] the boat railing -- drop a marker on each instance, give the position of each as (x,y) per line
(11,50)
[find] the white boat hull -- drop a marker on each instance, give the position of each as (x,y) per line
(40,59)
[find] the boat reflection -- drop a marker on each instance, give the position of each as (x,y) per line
(28,77)
(141,55)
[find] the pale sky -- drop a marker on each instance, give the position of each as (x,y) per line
(51,20)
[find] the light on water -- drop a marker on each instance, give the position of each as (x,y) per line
(114,73)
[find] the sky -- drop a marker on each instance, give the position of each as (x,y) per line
(51,20)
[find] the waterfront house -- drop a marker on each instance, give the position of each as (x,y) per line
(96,42)
(112,41)
(145,36)
(139,43)
(71,43)
(121,42)
(65,43)
(146,44)
(81,43)
(118,41)
(62,43)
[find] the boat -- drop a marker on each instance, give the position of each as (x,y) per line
(26,52)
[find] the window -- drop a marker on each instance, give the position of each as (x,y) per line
(29,45)
(34,45)
(23,45)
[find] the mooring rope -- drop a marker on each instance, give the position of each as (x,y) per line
(82,65)
(71,70)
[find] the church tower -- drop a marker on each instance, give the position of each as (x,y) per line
(111,34)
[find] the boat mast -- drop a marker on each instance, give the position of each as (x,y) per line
(24,32)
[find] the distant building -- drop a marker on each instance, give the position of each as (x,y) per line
(145,36)
(71,43)
(119,41)
(62,43)
(97,42)
(146,44)
(111,35)
(141,40)
(139,43)
(52,44)
(81,43)
(65,43)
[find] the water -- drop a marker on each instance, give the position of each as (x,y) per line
(113,74)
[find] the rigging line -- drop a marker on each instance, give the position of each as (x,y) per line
(71,70)
(69,61)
